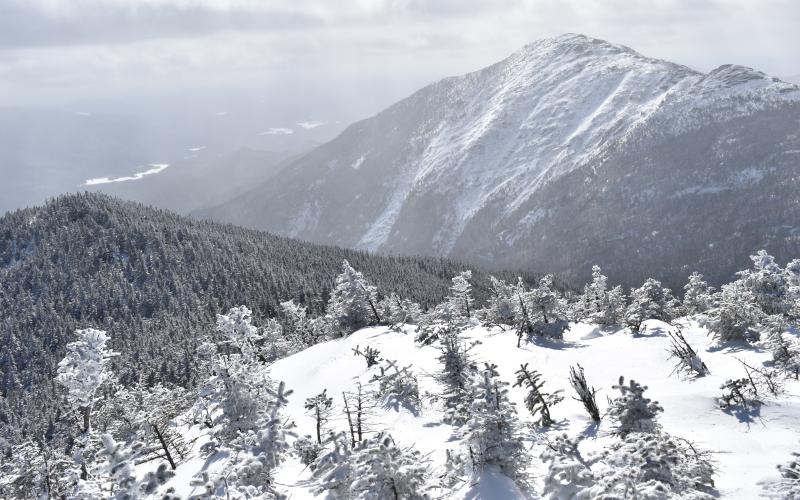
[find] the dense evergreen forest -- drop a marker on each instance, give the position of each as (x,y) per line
(155,281)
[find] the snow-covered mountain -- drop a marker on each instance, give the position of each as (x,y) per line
(570,152)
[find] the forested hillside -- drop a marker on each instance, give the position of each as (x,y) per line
(155,281)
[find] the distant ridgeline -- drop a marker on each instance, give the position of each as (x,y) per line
(155,281)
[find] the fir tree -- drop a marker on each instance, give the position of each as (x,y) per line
(698,296)
(631,411)
(461,294)
(537,401)
(353,302)
(650,301)
(320,408)
(492,430)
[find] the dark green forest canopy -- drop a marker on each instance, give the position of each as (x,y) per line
(155,281)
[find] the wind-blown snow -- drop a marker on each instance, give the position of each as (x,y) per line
(157,167)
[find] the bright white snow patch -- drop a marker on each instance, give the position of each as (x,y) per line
(198,148)
(310,124)
(157,167)
(357,164)
(277,131)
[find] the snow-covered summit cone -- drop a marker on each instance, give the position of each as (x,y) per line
(571,151)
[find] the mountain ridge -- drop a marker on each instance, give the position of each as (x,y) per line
(470,155)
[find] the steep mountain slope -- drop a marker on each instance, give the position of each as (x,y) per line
(155,281)
(570,152)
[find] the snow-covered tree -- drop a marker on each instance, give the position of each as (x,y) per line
(698,296)
(386,471)
(537,401)
(598,304)
(147,414)
(456,375)
(35,470)
(768,284)
(353,302)
(785,348)
(275,345)
(297,325)
(395,311)
(319,407)
(83,370)
(650,301)
(687,361)
(119,465)
(586,394)
(492,430)
(461,294)
(548,310)
(653,466)
(735,316)
(237,333)
(568,475)
(631,411)
(788,487)
(373,469)
(502,305)
(397,387)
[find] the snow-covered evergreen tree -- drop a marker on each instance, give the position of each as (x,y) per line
(586,394)
(652,466)
(537,401)
(631,411)
(398,387)
(735,316)
(373,469)
(353,302)
(237,333)
(569,476)
(386,471)
(788,487)
(461,294)
(502,305)
(119,466)
(297,326)
(395,311)
(598,304)
(492,430)
(768,284)
(548,309)
(456,375)
(275,344)
(698,296)
(83,370)
(319,407)
(650,301)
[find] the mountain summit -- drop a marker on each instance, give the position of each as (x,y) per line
(572,151)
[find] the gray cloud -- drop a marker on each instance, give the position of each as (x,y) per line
(64,49)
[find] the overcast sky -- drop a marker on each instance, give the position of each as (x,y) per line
(53,51)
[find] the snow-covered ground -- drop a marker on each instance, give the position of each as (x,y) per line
(747,450)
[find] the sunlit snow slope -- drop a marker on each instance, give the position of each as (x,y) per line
(747,452)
